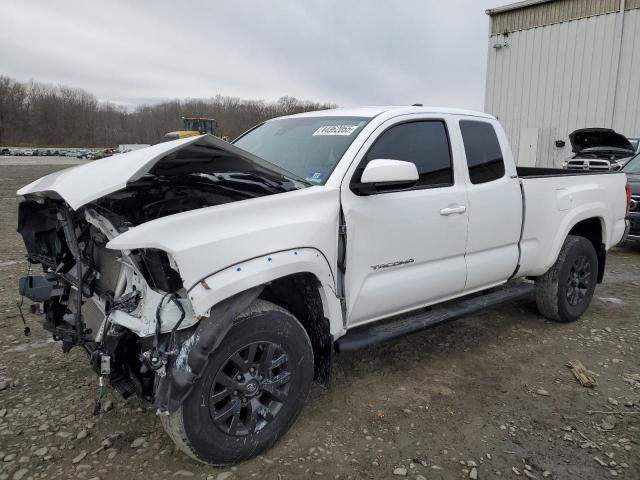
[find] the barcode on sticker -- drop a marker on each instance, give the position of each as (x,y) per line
(335,130)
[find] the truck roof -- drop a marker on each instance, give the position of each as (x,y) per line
(370,112)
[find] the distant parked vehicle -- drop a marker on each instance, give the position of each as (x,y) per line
(600,149)
(632,169)
(130,147)
(27,153)
(5,151)
(107,152)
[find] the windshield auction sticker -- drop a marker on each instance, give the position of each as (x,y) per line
(335,130)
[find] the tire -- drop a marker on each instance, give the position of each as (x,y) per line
(263,329)
(557,296)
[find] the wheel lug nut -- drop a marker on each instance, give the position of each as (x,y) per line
(235,393)
(239,378)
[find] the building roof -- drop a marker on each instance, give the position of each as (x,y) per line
(530,14)
(514,6)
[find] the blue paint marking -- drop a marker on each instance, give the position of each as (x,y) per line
(238,269)
(269,259)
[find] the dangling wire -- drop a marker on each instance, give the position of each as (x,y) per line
(172,338)
(27,330)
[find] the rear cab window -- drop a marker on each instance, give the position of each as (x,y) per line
(484,155)
(425,143)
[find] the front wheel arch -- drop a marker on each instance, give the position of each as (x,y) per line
(193,426)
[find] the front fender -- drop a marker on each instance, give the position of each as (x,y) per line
(242,276)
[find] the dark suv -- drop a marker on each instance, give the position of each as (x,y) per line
(632,169)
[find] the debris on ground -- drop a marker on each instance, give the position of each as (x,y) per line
(581,373)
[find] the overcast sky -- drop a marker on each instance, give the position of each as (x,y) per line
(348,52)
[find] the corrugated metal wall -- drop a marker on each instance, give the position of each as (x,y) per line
(561,77)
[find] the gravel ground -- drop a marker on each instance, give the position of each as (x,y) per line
(485,397)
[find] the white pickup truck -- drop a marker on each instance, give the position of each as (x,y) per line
(214,280)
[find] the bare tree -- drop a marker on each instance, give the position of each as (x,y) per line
(40,114)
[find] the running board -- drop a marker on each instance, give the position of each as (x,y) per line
(385,330)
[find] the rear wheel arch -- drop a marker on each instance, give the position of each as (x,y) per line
(594,230)
(565,291)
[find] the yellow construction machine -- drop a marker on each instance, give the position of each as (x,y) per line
(192,127)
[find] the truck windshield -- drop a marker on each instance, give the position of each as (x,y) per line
(307,147)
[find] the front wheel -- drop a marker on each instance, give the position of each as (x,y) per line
(564,293)
(252,389)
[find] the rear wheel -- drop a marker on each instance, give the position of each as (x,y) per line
(565,291)
(251,391)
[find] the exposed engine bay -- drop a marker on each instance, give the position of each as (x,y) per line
(127,309)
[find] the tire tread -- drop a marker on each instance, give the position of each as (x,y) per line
(547,285)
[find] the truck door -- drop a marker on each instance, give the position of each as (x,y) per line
(495,205)
(405,247)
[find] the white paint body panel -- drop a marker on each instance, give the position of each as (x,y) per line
(555,204)
(382,170)
(495,221)
(403,226)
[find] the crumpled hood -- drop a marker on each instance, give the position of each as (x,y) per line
(85,183)
(598,137)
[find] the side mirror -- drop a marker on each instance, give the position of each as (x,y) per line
(386,175)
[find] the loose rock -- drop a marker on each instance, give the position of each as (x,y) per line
(41,452)
(19,475)
(79,457)
(138,442)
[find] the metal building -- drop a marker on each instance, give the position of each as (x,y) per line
(558,65)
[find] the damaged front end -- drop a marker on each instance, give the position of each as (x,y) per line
(128,309)
(124,308)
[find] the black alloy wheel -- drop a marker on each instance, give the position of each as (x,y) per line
(579,280)
(250,388)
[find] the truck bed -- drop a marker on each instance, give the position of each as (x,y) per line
(555,199)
